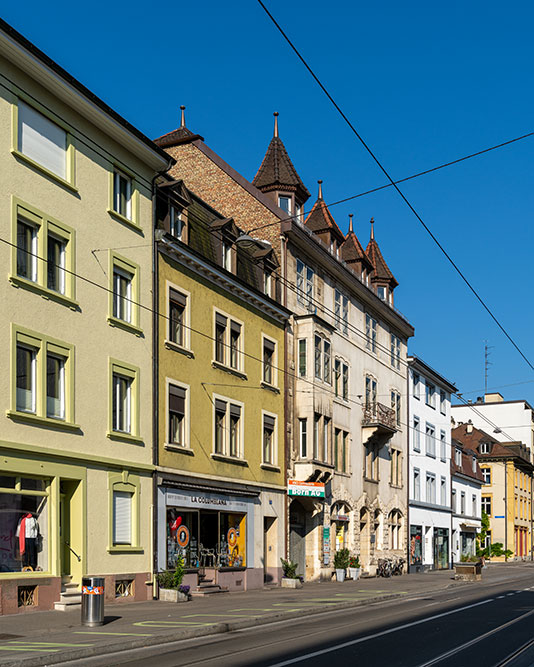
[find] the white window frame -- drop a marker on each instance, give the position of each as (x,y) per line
(130,513)
(186,325)
(274,364)
(274,440)
(341,311)
(119,272)
(226,428)
(305,285)
(416,484)
(187,415)
(443,445)
(227,357)
(303,438)
(395,344)
(430,440)
(62,398)
(416,434)
(371,326)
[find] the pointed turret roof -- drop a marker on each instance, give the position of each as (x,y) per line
(277,172)
(352,250)
(380,268)
(320,219)
(182,135)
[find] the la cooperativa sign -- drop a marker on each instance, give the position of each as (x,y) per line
(305,489)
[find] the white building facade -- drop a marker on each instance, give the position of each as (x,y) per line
(429,418)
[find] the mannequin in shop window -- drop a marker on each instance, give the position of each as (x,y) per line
(28,534)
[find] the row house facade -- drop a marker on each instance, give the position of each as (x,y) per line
(76,421)
(506,495)
(466,501)
(220,330)
(345,433)
(429,419)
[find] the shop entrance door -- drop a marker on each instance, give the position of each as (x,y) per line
(71,530)
(441,548)
(297,536)
(268,545)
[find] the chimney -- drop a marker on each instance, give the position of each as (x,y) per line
(480,400)
(469,428)
(493,398)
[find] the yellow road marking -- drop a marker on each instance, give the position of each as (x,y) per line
(46,644)
(218,615)
(166,624)
(121,634)
(21,648)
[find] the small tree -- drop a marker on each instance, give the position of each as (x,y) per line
(481,537)
(342,559)
(289,569)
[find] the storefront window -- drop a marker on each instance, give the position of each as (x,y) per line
(232,543)
(205,538)
(23,525)
(416,545)
(182,538)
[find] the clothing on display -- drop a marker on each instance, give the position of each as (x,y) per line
(28,533)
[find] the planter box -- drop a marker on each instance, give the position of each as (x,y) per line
(291,583)
(172,595)
(468,571)
(340,575)
(354,573)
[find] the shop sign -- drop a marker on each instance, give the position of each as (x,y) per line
(306,489)
(326,545)
(206,500)
(340,517)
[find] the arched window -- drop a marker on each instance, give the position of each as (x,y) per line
(395,528)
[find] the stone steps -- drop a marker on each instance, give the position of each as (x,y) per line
(71,598)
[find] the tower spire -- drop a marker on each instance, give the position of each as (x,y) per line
(350,223)
(372,228)
(182,109)
(275,114)
(320,195)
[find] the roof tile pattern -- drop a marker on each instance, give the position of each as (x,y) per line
(320,220)
(179,136)
(381,269)
(277,172)
(352,251)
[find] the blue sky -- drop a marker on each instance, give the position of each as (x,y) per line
(423,82)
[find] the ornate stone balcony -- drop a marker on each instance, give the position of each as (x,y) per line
(379,419)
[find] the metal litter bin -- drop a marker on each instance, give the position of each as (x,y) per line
(93,601)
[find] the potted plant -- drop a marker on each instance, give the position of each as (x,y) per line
(341,563)
(354,567)
(290,579)
(170,584)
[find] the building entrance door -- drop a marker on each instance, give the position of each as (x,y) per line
(71,531)
(297,536)
(441,548)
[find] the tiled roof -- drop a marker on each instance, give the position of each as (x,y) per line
(320,219)
(476,437)
(277,172)
(467,463)
(179,136)
(352,251)
(381,269)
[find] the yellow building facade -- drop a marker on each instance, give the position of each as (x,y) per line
(221,391)
(76,420)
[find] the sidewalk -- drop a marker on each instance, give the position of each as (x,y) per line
(52,637)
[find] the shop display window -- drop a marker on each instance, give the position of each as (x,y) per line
(23,525)
(205,538)
(416,545)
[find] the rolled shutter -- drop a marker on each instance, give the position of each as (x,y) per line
(269,422)
(235,411)
(177,399)
(122,517)
(42,140)
(220,406)
(220,319)
(177,297)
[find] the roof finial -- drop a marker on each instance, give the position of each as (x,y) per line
(372,228)
(182,108)
(320,196)
(350,223)
(275,114)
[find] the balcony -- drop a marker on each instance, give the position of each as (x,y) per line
(378,420)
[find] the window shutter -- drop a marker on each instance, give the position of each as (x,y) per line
(235,411)
(122,517)
(220,319)
(177,399)
(220,406)
(269,422)
(235,327)
(178,297)
(42,140)
(268,345)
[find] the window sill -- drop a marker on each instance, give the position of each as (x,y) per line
(121,324)
(228,369)
(122,218)
(396,486)
(178,448)
(269,387)
(30,418)
(47,172)
(18,281)
(229,459)
(270,467)
(341,401)
(120,549)
(432,456)
(343,474)
(368,479)
(178,348)
(430,406)
(124,437)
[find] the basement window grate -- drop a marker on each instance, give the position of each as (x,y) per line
(27,596)
(124,588)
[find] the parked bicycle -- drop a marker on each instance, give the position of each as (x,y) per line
(384,568)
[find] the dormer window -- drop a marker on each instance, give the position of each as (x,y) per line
(484,448)
(474,464)
(175,222)
(382,292)
(284,202)
(268,282)
(226,254)
(458,457)
(298,212)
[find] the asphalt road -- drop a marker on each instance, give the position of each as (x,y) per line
(486,626)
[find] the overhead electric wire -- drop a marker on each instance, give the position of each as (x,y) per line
(394,184)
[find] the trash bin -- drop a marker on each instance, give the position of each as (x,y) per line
(93,601)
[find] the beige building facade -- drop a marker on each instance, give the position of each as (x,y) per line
(76,421)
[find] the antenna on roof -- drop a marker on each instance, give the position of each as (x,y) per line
(275,114)
(487,364)
(350,223)
(182,109)
(320,195)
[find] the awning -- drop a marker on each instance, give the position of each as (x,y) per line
(470,525)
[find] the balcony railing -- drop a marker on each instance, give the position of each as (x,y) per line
(376,414)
